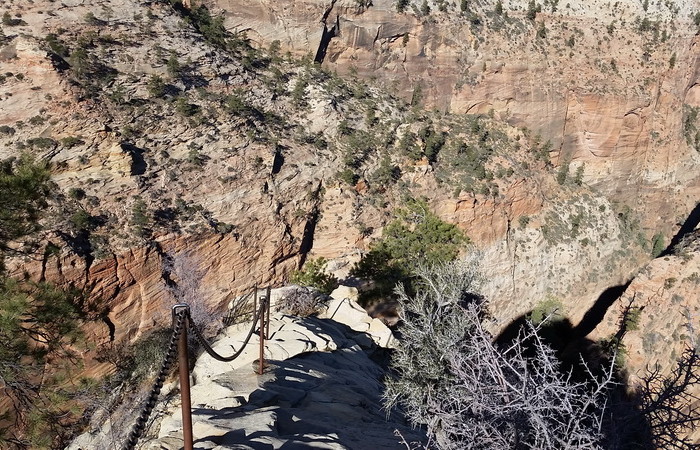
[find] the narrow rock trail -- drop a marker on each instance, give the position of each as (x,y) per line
(321,388)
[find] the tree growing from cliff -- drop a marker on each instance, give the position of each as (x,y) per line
(39,324)
(417,236)
(24,188)
(314,274)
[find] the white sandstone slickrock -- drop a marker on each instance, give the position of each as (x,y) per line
(321,387)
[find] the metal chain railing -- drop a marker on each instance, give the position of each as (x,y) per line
(142,419)
(181,318)
(198,334)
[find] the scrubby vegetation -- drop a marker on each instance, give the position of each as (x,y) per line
(379,151)
(314,274)
(416,236)
(40,326)
(474,390)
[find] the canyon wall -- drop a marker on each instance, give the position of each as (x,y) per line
(609,90)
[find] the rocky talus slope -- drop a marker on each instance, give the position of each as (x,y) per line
(320,389)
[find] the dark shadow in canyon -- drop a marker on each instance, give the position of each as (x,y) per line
(624,425)
(597,312)
(326,36)
(691,222)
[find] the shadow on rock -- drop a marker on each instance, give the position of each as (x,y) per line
(317,399)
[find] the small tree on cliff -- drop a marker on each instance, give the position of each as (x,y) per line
(39,324)
(416,236)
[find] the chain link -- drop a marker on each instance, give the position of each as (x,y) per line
(212,352)
(152,398)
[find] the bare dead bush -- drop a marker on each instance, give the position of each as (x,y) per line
(185,274)
(301,301)
(470,393)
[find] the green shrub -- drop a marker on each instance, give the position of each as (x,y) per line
(156,86)
(40,326)
(211,28)
(81,220)
(37,120)
(146,355)
(79,61)
(235,104)
(90,19)
(140,217)
(657,244)
(313,274)
(299,91)
(563,173)
(578,177)
(523,221)
(185,108)
(76,193)
(416,237)
(71,141)
(348,176)
(10,21)
(549,309)
(691,131)
(56,45)
(173,65)
(498,9)
(41,142)
(358,146)
(387,173)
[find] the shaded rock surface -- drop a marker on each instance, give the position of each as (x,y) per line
(321,388)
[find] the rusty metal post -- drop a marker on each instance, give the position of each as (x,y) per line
(255,300)
(267,319)
(184,369)
(261,361)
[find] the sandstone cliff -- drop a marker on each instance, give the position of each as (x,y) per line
(609,84)
(167,148)
(197,155)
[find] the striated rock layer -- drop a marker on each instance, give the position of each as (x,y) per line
(608,92)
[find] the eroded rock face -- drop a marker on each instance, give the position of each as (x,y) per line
(665,292)
(245,200)
(606,91)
